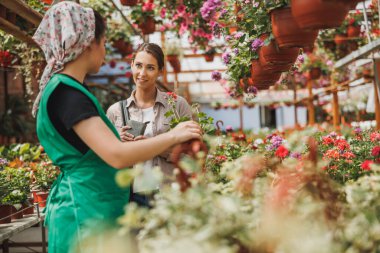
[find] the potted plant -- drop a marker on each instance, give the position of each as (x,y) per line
(209,54)
(353,25)
(143,15)
(19,189)
(5,209)
(173,52)
(119,34)
(285,29)
(317,14)
(44,176)
(315,66)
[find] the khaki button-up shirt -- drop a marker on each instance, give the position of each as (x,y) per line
(160,124)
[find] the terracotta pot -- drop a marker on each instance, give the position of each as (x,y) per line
(27,208)
(273,55)
(340,39)
(16,214)
(262,78)
(319,14)
(41,198)
(5,214)
(287,32)
(148,26)
(209,57)
(174,62)
(129,2)
(125,48)
(190,148)
(353,31)
(315,73)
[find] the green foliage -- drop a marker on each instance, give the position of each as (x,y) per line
(45,175)
(24,152)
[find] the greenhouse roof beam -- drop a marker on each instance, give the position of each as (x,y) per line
(358,54)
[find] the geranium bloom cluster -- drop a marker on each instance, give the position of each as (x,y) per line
(338,148)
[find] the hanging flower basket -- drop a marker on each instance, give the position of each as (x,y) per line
(319,14)
(174,62)
(129,2)
(125,48)
(287,32)
(209,57)
(148,26)
(261,77)
(315,73)
(353,31)
(272,58)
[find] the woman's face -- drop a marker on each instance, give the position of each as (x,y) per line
(145,70)
(98,54)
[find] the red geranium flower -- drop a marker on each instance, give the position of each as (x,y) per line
(366,165)
(348,155)
(282,152)
(327,140)
(128,74)
(332,153)
(342,145)
(375,136)
(172,95)
(376,151)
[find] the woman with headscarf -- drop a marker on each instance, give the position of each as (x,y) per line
(77,135)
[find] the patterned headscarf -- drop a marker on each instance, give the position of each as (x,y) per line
(66,30)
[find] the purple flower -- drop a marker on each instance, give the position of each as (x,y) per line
(216,75)
(228,37)
(252,90)
(226,58)
(301,58)
(236,51)
(275,141)
(358,130)
(209,8)
(256,44)
(238,35)
(295,155)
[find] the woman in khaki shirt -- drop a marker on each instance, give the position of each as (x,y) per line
(148,104)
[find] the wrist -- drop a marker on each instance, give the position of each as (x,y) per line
(171,138)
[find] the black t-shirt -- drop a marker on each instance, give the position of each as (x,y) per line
(66,107)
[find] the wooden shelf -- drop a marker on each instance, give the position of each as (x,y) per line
(10,28)
(23,10)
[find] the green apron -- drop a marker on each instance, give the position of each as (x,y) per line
(85,193)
